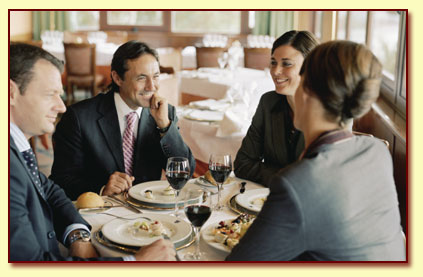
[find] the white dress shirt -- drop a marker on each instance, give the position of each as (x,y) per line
(122,110)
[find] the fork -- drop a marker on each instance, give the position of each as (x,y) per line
(123,217)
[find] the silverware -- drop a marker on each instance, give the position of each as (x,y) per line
(127,205)
(166,237)
(242,190)
(126,218)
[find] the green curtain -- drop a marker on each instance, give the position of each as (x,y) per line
(41,22)
(273,23)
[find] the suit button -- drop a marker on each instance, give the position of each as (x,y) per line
(51,234)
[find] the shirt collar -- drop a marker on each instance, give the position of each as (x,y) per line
(19,138)
(122,108)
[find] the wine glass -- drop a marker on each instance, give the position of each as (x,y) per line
(177,174)
(222,60)
(198,210)
(220,166)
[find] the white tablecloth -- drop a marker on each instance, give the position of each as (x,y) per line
(202,140)
(215,82)
(98,220)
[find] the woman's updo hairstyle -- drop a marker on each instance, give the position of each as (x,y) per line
(345,76)
(302,41)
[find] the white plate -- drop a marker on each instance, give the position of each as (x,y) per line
(208,237)
(119,230)
(250,199)
(137,192)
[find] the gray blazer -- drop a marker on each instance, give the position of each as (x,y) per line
(37,221)
(271,142)
(339,203)
(88,146)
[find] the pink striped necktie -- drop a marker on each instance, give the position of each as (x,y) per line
(129,142)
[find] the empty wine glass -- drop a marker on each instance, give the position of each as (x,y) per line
(177,174)
(198,210)
(222,60)
(220,166)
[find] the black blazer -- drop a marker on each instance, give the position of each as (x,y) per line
(271,142)
(36,222)
(88,146)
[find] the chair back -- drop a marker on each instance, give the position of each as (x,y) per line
(80,59)
(257,58)
(207,56)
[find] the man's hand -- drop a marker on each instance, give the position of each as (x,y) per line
(159,111)
(160,250)
(82,249)
(118,183)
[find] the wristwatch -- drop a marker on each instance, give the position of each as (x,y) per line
(79,235)
(163,130)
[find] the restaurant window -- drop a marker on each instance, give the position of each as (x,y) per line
(223,22)
(137,18)
(318,24)
(341,32)
(83,20)
(357,26)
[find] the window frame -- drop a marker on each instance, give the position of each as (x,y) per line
(167,23)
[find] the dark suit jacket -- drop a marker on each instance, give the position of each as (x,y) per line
(88,146)
(37,222)
(338,203)
(270,143)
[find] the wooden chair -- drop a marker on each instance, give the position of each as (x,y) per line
(81,68)
(207,56)
(257,58)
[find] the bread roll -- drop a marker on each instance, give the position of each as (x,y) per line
(89,200)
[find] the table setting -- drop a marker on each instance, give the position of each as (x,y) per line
(191,218)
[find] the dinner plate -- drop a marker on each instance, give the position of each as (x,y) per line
(208,238)
(252,199)
(161,199)
(122,231)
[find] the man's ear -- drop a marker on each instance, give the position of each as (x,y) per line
(116,78)
(13,92)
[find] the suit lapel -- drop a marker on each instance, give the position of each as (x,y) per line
(23,162)
(109,125)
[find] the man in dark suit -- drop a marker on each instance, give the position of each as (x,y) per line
(92,152)
(40,214)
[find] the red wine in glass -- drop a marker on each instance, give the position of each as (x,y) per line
(220,172)
(177,179)
(198,214)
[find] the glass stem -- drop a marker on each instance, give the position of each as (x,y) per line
(197,241)
(219,196)
(176,202)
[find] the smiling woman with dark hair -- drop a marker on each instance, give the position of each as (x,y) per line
(272,142)
(339,201)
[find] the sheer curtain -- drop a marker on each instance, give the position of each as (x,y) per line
(49,20)
(273,23)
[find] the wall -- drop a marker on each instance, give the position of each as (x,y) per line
(20,25)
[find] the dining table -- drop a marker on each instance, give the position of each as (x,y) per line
(213,251)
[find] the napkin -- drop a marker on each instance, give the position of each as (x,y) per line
(234,122)
(205,115)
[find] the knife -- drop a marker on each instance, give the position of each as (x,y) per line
(127,205)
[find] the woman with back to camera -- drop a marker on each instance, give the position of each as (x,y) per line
(272,142)
(339,201)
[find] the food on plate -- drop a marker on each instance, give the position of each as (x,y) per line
(153,229)
(208,177)
(169,191)
(259,201)
(229,233)
(149,194)
(89,200)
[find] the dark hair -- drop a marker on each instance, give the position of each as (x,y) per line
(128,51)
(22,59)
(345,76)
(302,41)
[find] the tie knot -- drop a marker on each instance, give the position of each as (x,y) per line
(130,118)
